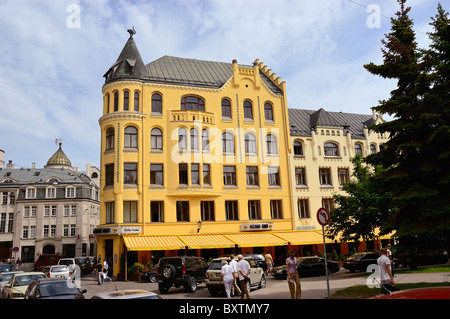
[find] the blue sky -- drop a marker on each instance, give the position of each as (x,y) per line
(53,59)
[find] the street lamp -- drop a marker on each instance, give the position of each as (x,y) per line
(199,223)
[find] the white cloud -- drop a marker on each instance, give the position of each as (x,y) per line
(51,75)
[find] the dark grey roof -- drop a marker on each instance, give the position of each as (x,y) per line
(37,176)
(173,70)
(183,71)
(303,121)
(129,64)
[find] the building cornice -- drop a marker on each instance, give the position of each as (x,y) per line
(118,116)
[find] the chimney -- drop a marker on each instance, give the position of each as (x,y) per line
(2,159)
(10,165)
(33,165)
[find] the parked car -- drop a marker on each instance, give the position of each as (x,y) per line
(415,260)
(74,264)
(256,278)
(418,293)
(181,271)
(149,276)
(4,278)
(4,268)
(16,286)
(360,261)
(57,271)
(308,266)
(53,288)
(127,294)
(46,260)
(85,265)
(259,260)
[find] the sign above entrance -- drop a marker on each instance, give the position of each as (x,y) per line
(258,226)
(130,230)
(122,230)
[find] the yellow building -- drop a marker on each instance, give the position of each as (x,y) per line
(194,155)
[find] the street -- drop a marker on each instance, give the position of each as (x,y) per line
(312,287)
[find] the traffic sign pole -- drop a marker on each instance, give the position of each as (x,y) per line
(323,217)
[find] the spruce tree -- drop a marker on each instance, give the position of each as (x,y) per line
(416,156)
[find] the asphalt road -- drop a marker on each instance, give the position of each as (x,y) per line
(312,287)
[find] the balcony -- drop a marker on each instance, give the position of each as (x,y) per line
(192,116)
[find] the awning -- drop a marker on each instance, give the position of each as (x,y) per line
(153,243)
(302,237)
(206,241)
(256,239)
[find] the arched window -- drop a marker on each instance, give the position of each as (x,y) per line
(136,101)
(250,143)
(248,111)
(110,139)
(194,139)
(116,101)
(373,149)
(268,112)
(126,100)
(205,140)
(330,149)
(182,139)
(226,108)
(227,143)
(358,149)
(192,103)
(272,145)
(298,148)
(156,103)
(130,138)
(156,139)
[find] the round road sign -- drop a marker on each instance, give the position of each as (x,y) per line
(323,216)
(15,249)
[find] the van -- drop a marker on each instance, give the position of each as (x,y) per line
(46,260)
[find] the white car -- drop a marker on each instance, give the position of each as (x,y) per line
(16,286)
(4,278)
(256,277)
(127,294)
(57,271)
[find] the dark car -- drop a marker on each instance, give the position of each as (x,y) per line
(259,260)
(149,276)
(360,261)
(181,271)
(53,288)
(307,267)
(415,260)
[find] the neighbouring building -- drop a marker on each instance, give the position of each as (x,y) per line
(50,210)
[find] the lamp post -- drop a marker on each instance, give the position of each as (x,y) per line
(199,224)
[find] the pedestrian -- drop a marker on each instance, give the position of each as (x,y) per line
(105,270)
(227,277)
(235,290)
(269,262)
(292,276)
(244,271)
(386,278)
(18,264)
(99,269)
(389,255)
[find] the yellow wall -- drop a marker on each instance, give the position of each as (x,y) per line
(244,85)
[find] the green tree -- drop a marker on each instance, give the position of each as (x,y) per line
(416,156)
(363,209)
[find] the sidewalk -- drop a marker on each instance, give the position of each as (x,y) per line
(312,287)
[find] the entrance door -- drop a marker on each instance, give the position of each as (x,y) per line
(48,250)
(109,255)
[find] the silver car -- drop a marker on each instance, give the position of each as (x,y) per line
(256,277)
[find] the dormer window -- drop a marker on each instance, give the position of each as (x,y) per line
(331,149)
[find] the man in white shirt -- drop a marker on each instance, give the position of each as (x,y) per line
(244,270)
(384,264)
(234,266)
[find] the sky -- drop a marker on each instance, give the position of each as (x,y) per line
(54,54)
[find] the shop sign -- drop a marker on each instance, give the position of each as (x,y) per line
(256,226)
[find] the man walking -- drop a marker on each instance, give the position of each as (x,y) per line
(292,276)
(244,270)
(386,278)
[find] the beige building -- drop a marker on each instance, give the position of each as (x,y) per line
(322,146)
(50,210)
